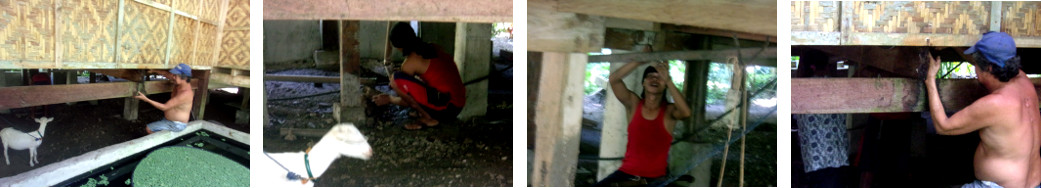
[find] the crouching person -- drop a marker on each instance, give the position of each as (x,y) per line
(177,110)
(429,81)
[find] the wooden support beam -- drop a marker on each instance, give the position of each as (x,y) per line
(314,79)
(128,74)
(559,122)
(351,108)
(26,96)
(766,58)
(718,32)
(623,23)
(349,55)
(202,93)
(228,79)
(484,11)
(753,16)
(872,95)
(564,32)
(473,57)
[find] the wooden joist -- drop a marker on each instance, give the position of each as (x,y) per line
(564,32)
(127,74)
(26,96)
(874,95)
(485,11)
(766,58)
(751,16)
(718,32)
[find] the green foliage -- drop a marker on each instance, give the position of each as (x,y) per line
(501,29)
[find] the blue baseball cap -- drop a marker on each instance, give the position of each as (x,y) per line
(997,47)
(182,69)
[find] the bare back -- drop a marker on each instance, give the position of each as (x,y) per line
(1008,152)
(182,111)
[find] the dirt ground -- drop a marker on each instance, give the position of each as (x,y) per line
(463,153)
(83,127)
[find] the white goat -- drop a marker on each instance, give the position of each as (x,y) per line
(19,140)
(341,140)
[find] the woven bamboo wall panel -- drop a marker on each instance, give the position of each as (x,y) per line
(143,37)
(210,10)
(1021,18)
(164,2)
(821,16)
(184,38)
(917,17)
(238,14)
(28,30)
(188,6)
(235,48)
(207,44)
(88,30)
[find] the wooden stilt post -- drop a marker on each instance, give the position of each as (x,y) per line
(559,121)
(351,108)
(473,57)
(202,94)
(242,116)
(616,120)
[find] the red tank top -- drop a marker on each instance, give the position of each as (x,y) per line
(647,153)
(443,75)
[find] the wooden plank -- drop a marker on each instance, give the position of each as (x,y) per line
(627,39)
(751,16)
(564,32)
(815,38)
(391,10)
(764,59)
(295,78)
(872,95)
(128,74)
(559,121)
(718,32)
(26,96)
(623,23)
(234,80)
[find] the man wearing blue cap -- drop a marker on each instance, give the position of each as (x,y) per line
(1008,119)
(178,109)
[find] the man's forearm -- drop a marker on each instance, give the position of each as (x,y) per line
(936,110)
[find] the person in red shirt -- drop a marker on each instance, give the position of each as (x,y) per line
(428,82)
(650,130)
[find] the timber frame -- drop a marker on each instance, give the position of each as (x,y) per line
(887,38)
(565,31)
(123,38)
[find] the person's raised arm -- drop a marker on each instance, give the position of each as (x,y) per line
(682,109)
(626,96)
(967,120)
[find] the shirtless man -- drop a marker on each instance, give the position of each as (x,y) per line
(178,109)
(1008,119)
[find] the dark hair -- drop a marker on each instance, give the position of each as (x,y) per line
(646,71)
(402,36)
(1004,74)
(186,78)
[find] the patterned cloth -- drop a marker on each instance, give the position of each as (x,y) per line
(823,140)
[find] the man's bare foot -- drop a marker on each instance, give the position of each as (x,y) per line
(413,126)
(429,122)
